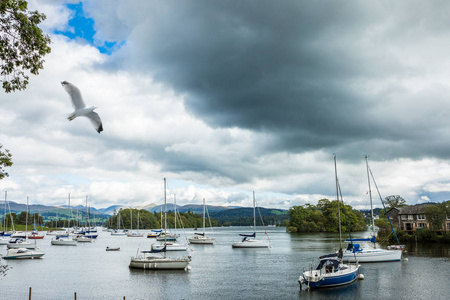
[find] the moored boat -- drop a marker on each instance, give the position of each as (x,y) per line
(23,253)
(249,240)
(369,253)
(60,241)
(328,273)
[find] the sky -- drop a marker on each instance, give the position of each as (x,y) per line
(223,98)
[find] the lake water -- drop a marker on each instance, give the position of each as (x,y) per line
(218,271)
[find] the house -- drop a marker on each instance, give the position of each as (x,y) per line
(412,217)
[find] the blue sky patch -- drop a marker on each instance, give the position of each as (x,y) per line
(81,27)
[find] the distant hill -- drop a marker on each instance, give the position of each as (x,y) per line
(225,215)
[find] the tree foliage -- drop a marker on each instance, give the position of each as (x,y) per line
(22,44)
(5,161)
(394,201)
(436,214)
(324,217)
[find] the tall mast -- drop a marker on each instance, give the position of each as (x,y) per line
(370,197)
(68,222)
(203,216)
(254,213)
(26,222)
(165,217)
(337,197)
(175,211)
(165,209)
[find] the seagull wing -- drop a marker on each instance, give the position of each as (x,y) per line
(96,121)
(75,95)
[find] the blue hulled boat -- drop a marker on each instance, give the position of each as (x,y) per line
(328,273)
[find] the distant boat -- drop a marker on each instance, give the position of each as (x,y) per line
(83,239)
(200,238)
(134,233)
(112,248)
(16,243)
(331,271)
(249,240)
(154,233)
(23,253)
(118,232)
(61,241)
(159,262)
(355,253)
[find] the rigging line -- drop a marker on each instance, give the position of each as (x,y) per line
(346,220)
(210,224)
(381,199)
(262,222)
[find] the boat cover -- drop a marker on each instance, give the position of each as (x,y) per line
(372,240)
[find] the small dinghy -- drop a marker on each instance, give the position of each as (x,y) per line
(112,248)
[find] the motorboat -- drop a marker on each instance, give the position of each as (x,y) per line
(112,248)
(23,253)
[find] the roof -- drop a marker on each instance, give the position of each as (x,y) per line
(414,209)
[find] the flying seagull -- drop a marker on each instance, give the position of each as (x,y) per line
(80,108)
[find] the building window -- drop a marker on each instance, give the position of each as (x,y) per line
(403,217)
(421,225)
(410,217)
(421,217)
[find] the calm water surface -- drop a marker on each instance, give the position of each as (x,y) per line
(218,271)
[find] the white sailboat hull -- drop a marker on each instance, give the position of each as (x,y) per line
(159,263)
(64,242)
(251,244)
(373,255)
(201,240)
(25,245)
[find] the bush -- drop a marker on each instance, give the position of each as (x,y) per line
(291,229)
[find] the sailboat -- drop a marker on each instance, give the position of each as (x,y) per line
(159,262)
(132,233)
(5,235)
(170,245)
(249,240)
(371,254)
(62,240)
(117,231)
(16,243)
(330,271)
(200,238)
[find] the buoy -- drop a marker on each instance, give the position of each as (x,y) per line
(361,277)
(405,259)
(188,267)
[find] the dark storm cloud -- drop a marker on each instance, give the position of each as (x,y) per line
(314,74)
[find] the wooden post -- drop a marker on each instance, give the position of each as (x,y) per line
(29,296)
(75,295)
